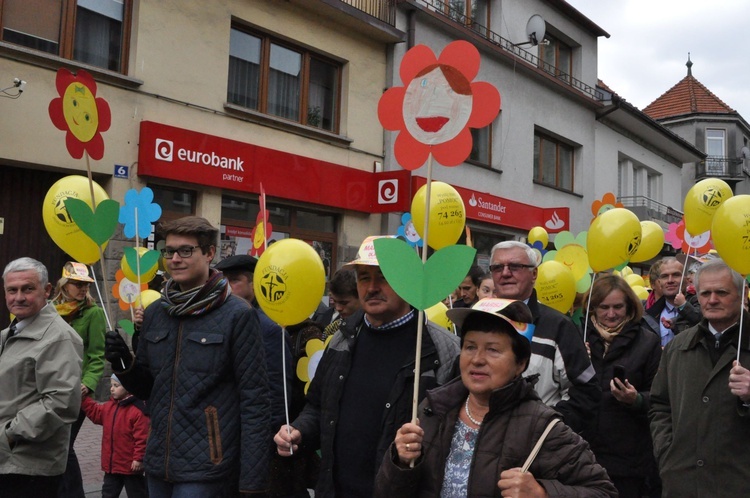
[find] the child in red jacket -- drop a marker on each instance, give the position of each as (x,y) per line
(124,437)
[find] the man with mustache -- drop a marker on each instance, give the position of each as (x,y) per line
(363,388)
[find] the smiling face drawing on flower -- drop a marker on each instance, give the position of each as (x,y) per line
(79,108)
(437,104)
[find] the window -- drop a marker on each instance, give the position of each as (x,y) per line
(89,31)
(556,58)
(553,162)
(481,146)
(474,13)
(288,82)
(715,152)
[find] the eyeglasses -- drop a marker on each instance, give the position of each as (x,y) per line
(79,284)
(184,251)
(512,267)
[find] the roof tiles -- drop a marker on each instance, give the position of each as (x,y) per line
(689,96)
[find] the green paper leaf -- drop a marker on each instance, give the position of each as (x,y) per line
(149,259)
(99,226)
(420,285)
(127,326)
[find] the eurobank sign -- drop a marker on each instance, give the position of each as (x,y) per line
(189,156)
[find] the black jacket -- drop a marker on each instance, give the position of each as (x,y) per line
(620,437)
(317,422)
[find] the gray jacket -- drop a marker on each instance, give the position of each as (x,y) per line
(40,394)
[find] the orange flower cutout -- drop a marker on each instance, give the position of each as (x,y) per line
(438,105)
(259,235)
(608,201)
(126,291)
(80,113)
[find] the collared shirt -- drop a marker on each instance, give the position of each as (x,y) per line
(668,313)
(391,325)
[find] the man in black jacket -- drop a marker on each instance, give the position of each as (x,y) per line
(558,355)
(200,365)
(363,388)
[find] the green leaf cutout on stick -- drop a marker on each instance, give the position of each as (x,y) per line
(127,326)
(149,259)
(99,226)
(422,285)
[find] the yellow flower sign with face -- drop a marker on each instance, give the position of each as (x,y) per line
(79,109)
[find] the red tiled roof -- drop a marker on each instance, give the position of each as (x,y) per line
(689,96)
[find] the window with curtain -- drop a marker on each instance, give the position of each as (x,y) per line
(481,145)
(89,31)
(556,58)
(277,78)
(553,162)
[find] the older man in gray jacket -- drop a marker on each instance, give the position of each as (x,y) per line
(40,379)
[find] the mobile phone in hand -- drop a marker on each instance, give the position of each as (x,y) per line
(618,372)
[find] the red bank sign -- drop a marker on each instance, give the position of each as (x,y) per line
(485,207)
(188,156)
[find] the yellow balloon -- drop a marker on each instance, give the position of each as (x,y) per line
(147,274)
(59,224)
(289,281)
(652,242)
(634,279)
(701,203)
(538,234)
(555,286)
(447,215)
(624,272)
(437,314)
(640,291)
(147,298)
(613,238)
(731,233)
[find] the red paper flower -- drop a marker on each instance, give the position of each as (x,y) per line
(438,105)
(259,235)
(681,239)
(80,113)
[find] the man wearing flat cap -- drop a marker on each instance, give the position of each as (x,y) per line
(363,388)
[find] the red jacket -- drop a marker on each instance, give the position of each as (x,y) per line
(125,432)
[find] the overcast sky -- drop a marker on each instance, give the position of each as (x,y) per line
(649,42)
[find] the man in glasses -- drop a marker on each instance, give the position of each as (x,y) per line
(200,364)
(558,354)
(673,311)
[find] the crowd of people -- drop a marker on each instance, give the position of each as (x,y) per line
(641,399)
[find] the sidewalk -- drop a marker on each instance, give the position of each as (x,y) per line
(88,450)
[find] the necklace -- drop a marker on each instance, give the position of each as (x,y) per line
(468,413)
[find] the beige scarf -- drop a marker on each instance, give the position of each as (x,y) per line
(609,334)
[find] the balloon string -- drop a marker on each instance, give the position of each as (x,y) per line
(286,396)
(586,322)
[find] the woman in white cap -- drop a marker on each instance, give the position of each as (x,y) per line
(475,433)
(77,307)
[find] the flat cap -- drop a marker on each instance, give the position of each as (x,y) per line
(239,262)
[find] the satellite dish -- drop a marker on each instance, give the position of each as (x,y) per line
(536,29)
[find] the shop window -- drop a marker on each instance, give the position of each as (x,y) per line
(94,32)
(174,202)
(289,82)
(238,216)
(553,162)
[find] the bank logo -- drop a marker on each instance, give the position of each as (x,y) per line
(164,150)
(388,191)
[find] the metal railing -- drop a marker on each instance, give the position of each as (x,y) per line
(719,167)
(645,208)
(384,10)
(444,8)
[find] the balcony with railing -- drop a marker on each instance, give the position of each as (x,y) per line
(726,168)
(648,209)
(383,10)
(446,9)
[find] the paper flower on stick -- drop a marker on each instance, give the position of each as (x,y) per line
(408,232)
(126,291)
(438,105)
(307,365)
(80,113)
(148,212)
(679,238)
(607,202)
(259,235)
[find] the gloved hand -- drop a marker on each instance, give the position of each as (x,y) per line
(116,351)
